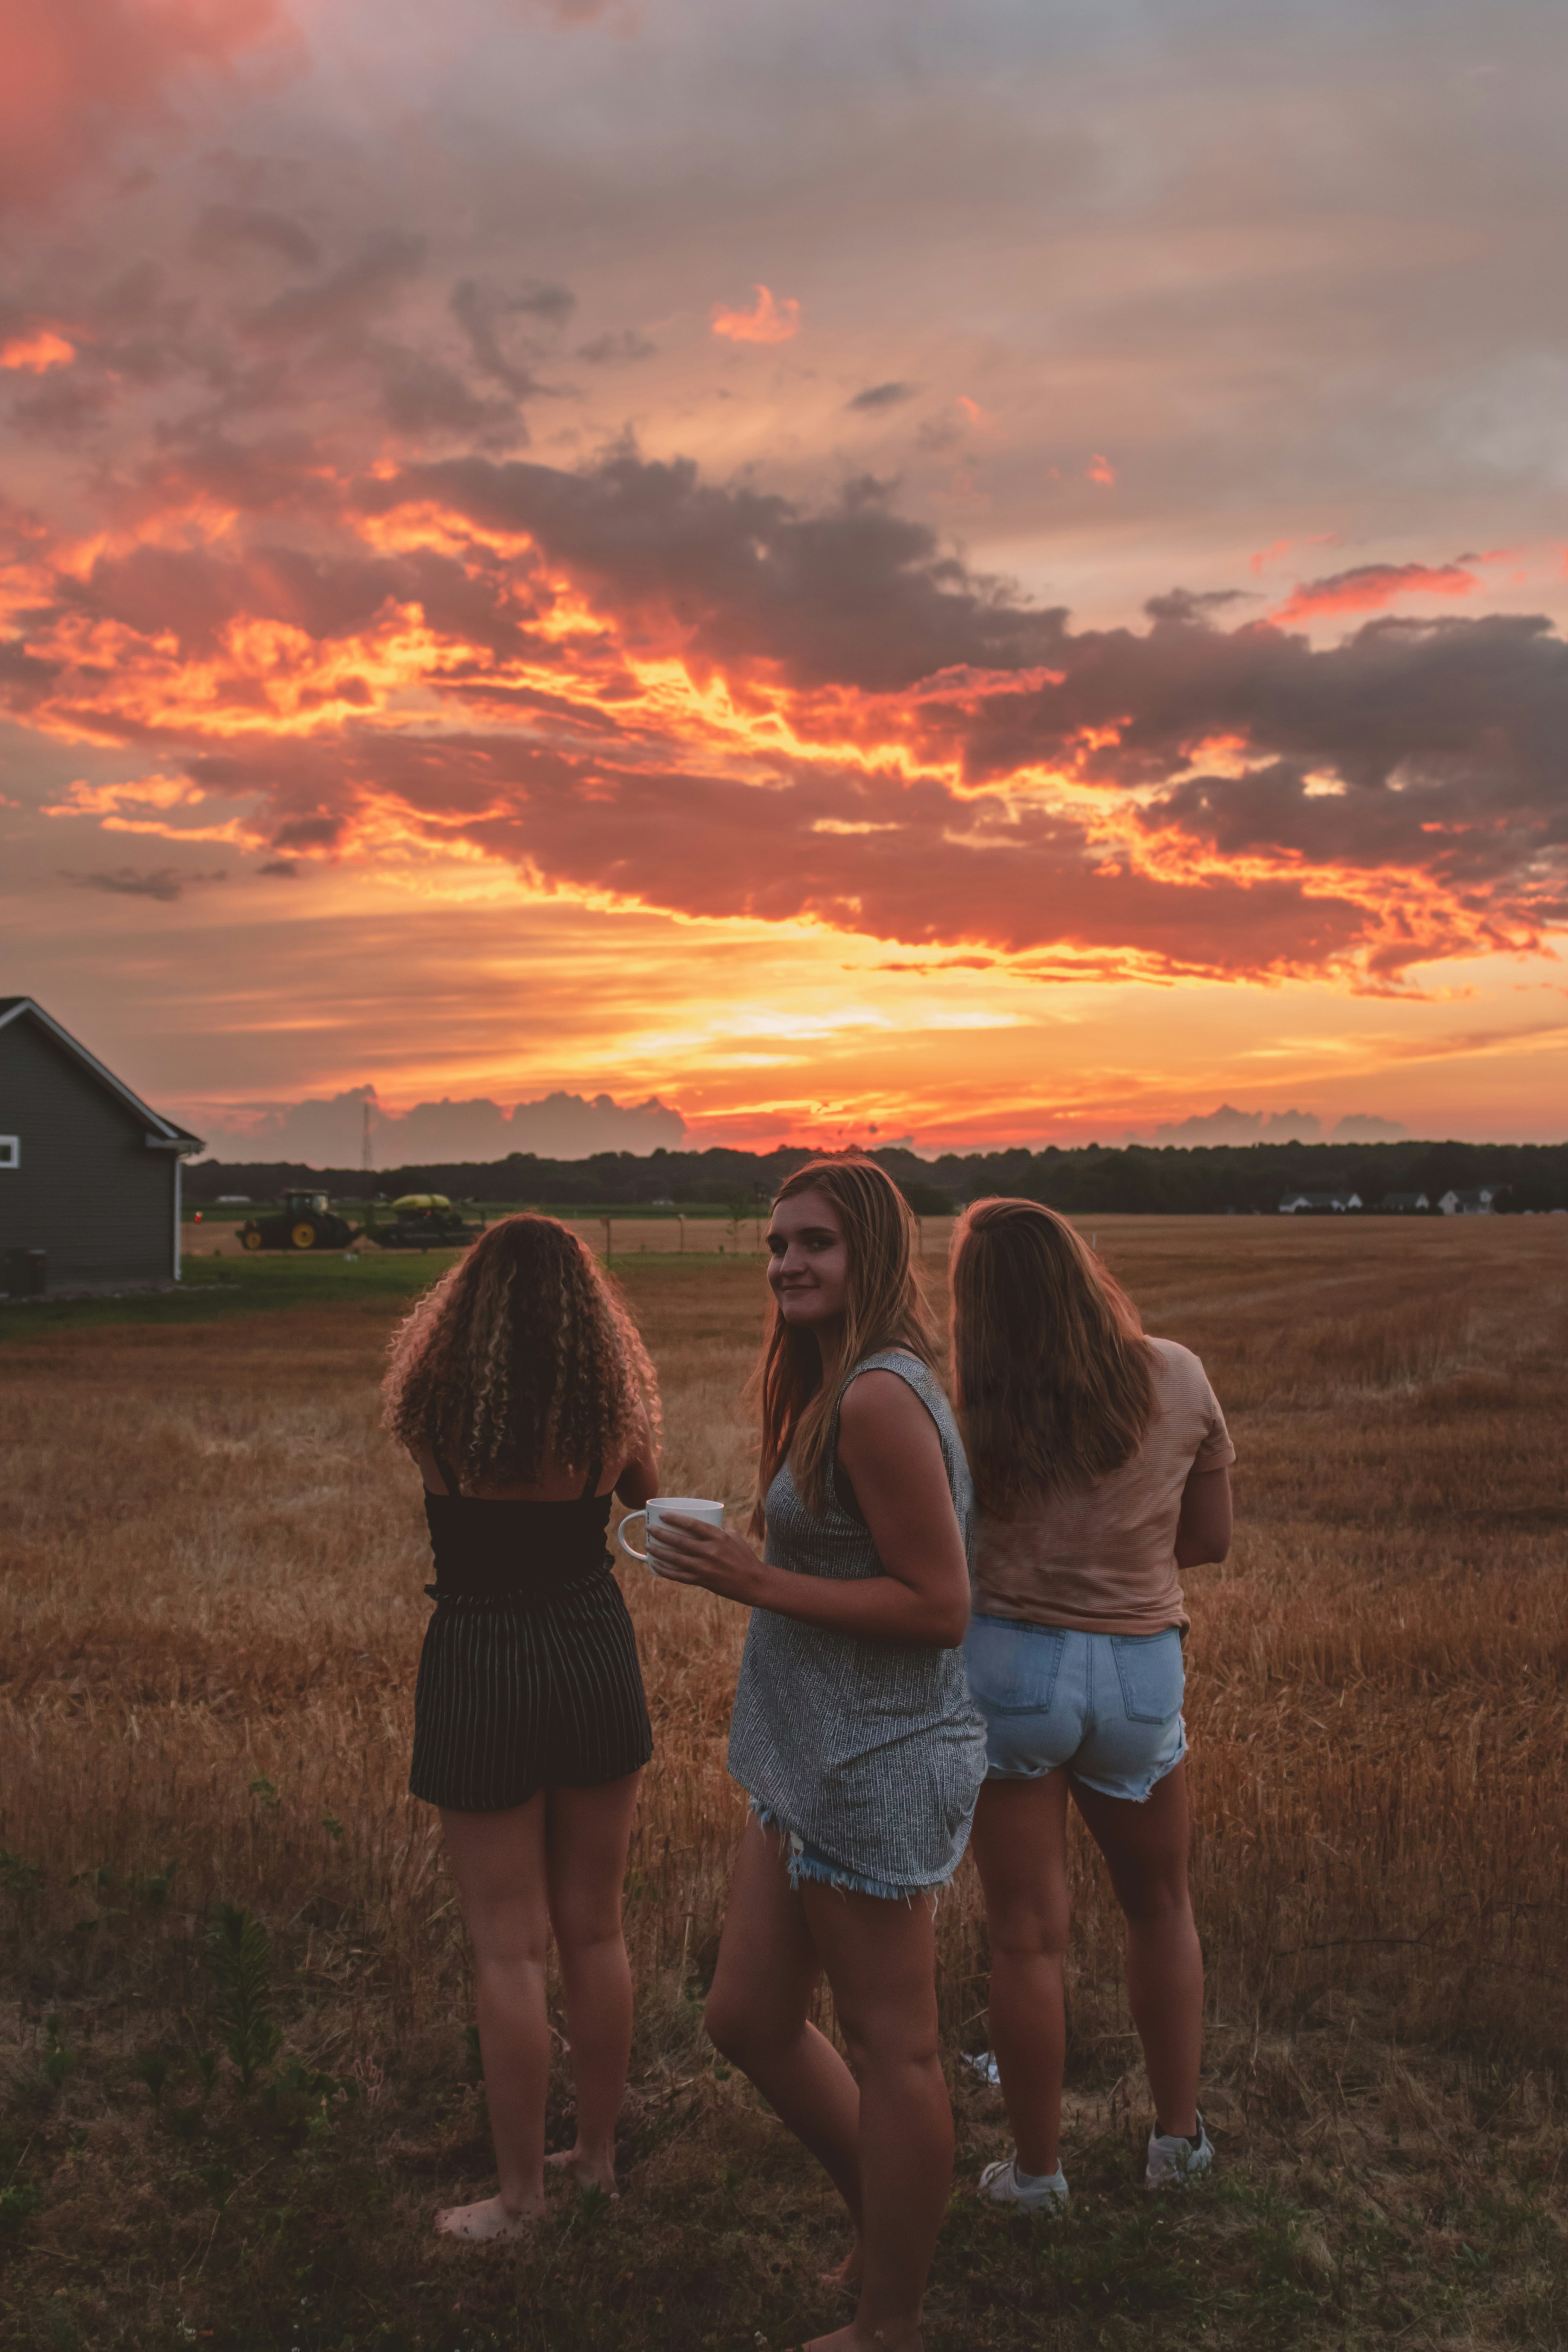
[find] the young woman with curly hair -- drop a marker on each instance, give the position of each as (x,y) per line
(1101,1465)
(853,1736)
(522,1390)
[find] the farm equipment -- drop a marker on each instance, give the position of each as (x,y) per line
(424,1221)
(305,1222)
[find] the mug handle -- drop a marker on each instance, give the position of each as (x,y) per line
(621,1535)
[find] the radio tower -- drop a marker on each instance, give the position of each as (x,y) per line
(366,1157)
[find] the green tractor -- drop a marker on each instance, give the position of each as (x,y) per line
(304,1223)
(424,1221)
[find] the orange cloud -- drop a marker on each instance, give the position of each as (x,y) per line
(567,677)
(36,352)
(1102,471)
(768,320)
(1372,586)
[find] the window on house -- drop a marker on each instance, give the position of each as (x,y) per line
(10,1151)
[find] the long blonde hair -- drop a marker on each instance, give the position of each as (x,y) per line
(884,1309)
(522,1355)
(1052,1374)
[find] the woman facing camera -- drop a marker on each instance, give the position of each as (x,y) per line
(1101,1463)
(853,1736)
(522,1390)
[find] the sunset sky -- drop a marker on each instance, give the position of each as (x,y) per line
(980,573)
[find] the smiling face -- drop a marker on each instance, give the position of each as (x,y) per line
(808,1263)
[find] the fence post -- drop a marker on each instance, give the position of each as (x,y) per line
(609,1238)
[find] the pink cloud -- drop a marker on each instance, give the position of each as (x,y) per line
(1100,469)
(1372,586)
(78,70)
(769,321)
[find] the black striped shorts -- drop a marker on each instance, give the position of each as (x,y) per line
(516,1696)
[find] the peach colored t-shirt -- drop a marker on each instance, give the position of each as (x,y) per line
(1104,1561)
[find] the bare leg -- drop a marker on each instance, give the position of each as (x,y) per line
(880,1960)
(1146,1848)
(585,1855)
(757,2013)
(1019,1845)
(498,1860)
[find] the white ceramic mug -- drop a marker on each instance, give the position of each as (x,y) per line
(689,1506)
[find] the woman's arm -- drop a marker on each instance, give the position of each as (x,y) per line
(1203,1528)
(889,1448)
(639,1478)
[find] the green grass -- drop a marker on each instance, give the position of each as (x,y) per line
(220,1286)
(230,1212)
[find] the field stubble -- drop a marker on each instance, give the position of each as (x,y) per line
(210,1615)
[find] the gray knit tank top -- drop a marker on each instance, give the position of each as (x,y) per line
(871,1752)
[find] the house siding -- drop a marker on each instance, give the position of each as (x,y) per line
(89,1191)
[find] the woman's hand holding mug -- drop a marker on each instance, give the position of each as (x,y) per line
(692,1506)
(686,1549)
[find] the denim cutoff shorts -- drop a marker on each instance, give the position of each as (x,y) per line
(1107,1706)
(803,1860)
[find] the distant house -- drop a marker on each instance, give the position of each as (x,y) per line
(1318,1204)
(1471,1205)
(89,1178)
(1404,1205)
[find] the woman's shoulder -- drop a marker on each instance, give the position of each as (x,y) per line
(892,1381)
(901,1363)
(1179,1375)
(1176,1361)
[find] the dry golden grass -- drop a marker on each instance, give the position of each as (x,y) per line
(210,1615)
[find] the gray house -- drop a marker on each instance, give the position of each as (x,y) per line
(89,1178)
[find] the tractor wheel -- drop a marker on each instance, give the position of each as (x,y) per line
(252,1240)
(302,1236)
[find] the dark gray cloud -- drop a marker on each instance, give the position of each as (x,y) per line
(371,281)
(483,312)
(617,347)
(882,395)
(854,594)
(225,229)
(421,397)
(1186,604)
(164,883)
(543,299)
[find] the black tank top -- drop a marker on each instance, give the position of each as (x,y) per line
(520,1551)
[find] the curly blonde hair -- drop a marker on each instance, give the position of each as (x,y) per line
(523,1354)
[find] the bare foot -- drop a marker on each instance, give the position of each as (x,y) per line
(587,2171)
(489,2219)
(844,2278)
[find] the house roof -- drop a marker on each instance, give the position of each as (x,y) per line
(164,1134)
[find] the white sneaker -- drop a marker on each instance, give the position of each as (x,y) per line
(1173,2161)
(1035,2192)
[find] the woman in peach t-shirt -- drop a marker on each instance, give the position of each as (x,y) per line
(1102,1461)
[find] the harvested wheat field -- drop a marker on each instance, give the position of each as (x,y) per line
(210,1613)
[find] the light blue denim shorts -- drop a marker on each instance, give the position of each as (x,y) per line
(803,1860)
(1105,1707)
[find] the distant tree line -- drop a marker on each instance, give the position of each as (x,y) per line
(1204,1179)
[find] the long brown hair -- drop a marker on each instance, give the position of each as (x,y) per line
(1052,1374)
(522,1355)
(884,1309)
